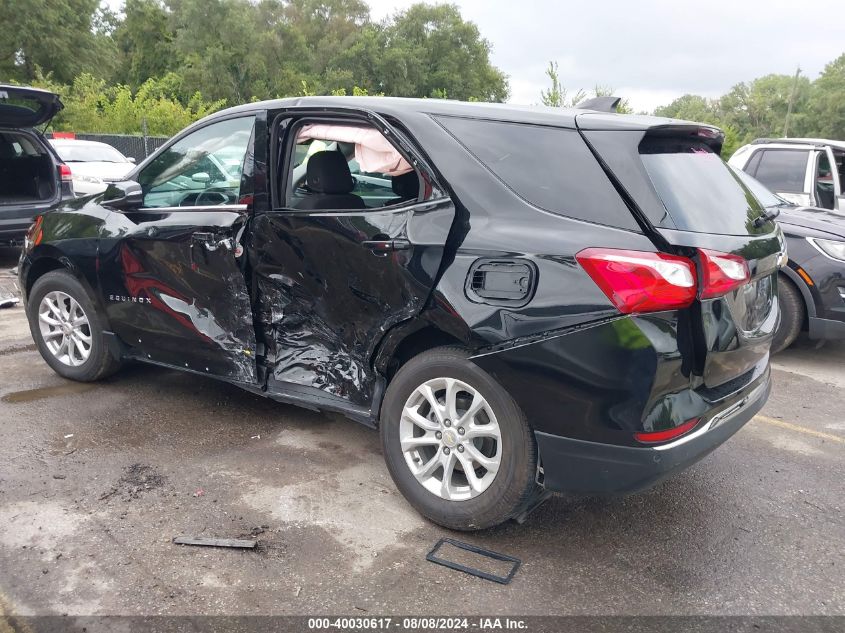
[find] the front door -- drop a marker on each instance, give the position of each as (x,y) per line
(350,247)
(172,271)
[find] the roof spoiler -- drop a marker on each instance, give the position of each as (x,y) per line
(600,104)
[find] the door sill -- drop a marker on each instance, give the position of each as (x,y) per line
(318,400)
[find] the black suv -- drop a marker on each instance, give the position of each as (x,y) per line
(33,178)
(522,300)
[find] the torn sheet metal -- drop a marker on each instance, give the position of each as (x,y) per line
(175,292)
(324,300)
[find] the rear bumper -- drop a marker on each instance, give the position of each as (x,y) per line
(571,465)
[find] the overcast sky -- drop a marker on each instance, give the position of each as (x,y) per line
(650,51)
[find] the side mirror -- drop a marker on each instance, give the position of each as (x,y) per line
(131,159)
(201,177)
(123,195)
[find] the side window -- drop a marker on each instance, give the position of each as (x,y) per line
(753,163)
(203,168)
(783,170)
(347,167)
(551,168)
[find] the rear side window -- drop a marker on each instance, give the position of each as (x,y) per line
(698,189)
(783,170)
(548,167)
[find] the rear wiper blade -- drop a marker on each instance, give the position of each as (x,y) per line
(769,214)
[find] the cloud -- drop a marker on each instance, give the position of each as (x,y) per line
(652,51)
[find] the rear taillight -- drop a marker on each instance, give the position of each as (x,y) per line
(651,437)
(637,281)
(721,273)
(65,173)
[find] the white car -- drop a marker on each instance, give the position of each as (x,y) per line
(808,172)
(93,164)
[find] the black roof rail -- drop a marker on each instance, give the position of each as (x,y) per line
(601,104)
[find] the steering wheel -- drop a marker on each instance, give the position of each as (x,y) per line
(210,198)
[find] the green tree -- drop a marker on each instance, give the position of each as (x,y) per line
(62,37)
(556,96)
(826,104)
(431,49)
(758,108)
(144,41)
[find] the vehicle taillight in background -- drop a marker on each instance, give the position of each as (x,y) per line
(637,281)
(65,173)
(34,234)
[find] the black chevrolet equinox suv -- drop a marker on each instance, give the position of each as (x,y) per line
(521,300)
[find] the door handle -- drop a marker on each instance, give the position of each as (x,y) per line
(381,247)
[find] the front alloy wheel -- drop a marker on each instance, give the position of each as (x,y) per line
(64,328)
(67,328)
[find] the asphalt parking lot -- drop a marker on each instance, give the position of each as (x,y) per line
(96,479)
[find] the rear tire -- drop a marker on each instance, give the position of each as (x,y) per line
(489,428)
(791,315)
(67,329)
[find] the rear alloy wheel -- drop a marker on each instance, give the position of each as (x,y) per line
(450,439)
(456,444)
(67,328)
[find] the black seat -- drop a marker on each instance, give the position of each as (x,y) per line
(406,186)
(825,196)
(330,183)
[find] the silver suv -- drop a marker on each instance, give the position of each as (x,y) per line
(808,172)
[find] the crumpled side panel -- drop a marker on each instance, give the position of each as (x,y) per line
(308,351)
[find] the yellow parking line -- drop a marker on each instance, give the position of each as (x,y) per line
(800,429)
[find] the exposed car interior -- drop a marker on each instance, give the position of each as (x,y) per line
(825,194)
(348,167)
(27,171)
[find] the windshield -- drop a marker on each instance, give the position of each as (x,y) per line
(698,189)
(89,153)
(760,191)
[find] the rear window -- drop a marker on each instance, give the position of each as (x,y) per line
(782,170)
(548,167)
(698,189)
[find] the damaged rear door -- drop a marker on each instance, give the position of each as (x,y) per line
(342,258)
(171,271)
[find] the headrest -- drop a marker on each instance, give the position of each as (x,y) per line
(328,172)
(407,185)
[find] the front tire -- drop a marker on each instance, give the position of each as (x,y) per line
(791,315)
(456,444)
(67,329)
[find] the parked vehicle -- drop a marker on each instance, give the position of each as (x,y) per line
(94,164)
(33,178)
(811,289)
(547,300)
(807,172)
